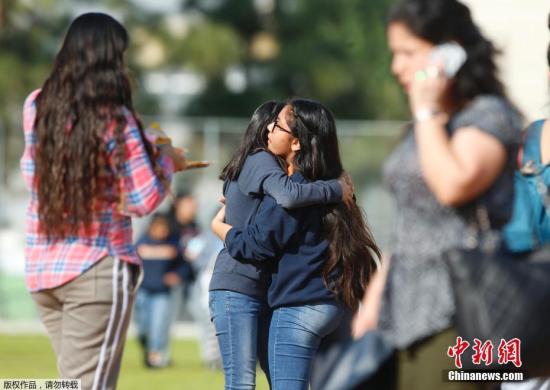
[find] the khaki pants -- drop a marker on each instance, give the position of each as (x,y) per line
(421,367)
(87,320)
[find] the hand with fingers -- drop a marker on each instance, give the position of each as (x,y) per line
(220,216)
(218,224)
(427,90)
(366,318)
(176,155)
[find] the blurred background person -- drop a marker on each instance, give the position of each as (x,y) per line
(458,153)
(201,252)
(183,214)
(89,168)
(164,269)
(197,247)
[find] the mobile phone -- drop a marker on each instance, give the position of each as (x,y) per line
(451,55)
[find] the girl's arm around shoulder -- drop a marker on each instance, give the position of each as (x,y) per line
(261,173)
(265,239)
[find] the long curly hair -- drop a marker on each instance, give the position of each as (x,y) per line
(83,102)
(449,20)
(353,253)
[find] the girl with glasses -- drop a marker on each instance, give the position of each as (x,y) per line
(319,258)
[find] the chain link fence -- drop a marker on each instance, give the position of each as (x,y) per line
(363,146)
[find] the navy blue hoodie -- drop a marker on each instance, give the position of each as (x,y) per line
(261,174)
(155,269)
(293,242)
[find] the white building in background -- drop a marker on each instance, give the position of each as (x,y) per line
(520,29)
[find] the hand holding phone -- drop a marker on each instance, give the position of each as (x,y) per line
(450,56)
(431,83)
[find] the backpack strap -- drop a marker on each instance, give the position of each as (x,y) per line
(530,147)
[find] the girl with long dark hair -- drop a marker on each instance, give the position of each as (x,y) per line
(89,168)
(452,169)
(320,257)
(238,290)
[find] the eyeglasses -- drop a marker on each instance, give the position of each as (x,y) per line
(275,124)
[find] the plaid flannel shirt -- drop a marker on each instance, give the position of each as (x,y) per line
(52,263)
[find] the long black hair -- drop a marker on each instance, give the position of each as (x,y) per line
(352,250)
(84,98)
(254,138)
(440,21)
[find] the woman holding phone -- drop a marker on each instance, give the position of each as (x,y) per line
(458,153)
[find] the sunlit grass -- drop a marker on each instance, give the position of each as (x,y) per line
(31,356)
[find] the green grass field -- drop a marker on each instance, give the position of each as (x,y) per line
(23,356)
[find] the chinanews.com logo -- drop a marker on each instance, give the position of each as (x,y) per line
(508,353)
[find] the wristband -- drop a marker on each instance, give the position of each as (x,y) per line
(426,114)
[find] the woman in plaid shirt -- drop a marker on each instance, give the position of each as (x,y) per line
(89,169)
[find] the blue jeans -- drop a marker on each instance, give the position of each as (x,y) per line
(294,337)
(241,324)
(153,315)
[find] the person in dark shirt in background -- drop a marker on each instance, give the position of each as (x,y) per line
(183,221)
(164,269)
(185,215)
(184,218)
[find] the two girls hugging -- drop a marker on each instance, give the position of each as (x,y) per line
(298,254)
